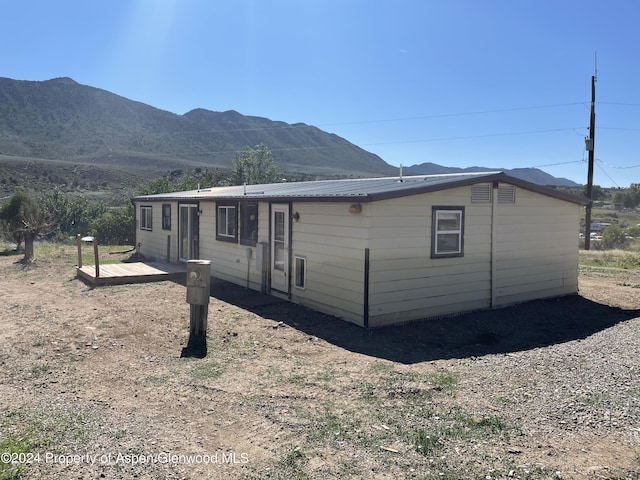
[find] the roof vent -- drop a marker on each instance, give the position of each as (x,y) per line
(481,193)
(506,194)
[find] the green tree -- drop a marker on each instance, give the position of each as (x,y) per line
(634,231)
(156,186)
(255,166)
(25,219)
(613,237)
(115,226)
(72,213)
(597,193)
(633,196)
(177,184)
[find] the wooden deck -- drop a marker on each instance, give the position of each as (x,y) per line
(118,273)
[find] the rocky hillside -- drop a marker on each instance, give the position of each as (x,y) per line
(62,120)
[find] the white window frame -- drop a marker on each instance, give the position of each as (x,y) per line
(297,261)
(146,217)
(439,211)
(222,228)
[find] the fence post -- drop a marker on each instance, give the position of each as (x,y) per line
(79,243)
(96,258)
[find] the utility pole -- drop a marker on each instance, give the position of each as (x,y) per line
(590,144)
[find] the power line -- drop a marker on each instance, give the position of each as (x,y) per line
(459,114)
(620,103)
(598,162)
(383,120)
(555,164)
(618,168)
(620,129)
(469,137)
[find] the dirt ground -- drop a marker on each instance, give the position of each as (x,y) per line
(101,383)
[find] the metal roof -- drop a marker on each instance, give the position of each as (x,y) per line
(360,189)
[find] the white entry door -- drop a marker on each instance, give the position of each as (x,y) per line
(280,247)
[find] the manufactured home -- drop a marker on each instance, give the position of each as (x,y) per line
(376,251)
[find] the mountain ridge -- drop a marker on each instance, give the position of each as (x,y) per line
(534,175)
(61,119)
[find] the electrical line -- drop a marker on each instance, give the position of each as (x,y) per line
(619,168)
(623,129)
(460,114)
(619,103)
(384,120)
(598,162)
(468,137)
(555,164)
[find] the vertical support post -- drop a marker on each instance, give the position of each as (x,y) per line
(365,313)
(96,257)
(79,243)
(591,147)
(494,235)
(262,263)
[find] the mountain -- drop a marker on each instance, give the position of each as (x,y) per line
(61,119)
(59,128)
(533,175)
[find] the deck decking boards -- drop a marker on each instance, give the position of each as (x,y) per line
(114,273)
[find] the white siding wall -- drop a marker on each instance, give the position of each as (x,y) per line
(405,282)
(536,254)
(536,249)
(229,260)
(153,243)
(333,242)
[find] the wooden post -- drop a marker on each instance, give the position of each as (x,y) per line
(79,242)
(168,248)
(96,259)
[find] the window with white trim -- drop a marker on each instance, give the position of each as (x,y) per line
(227,222)
(146,217)
(300,273)
(447,232)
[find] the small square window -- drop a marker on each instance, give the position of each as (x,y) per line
(447,238)
(227,223)
(300,272)
(146,218)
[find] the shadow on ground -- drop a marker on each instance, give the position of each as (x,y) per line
(11,252)
(529,325)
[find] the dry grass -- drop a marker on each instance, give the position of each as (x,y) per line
(552,393)
(610,258)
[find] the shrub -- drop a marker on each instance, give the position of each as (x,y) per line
(613,237)
(115,227)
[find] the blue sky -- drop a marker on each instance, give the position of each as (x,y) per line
(496,83)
